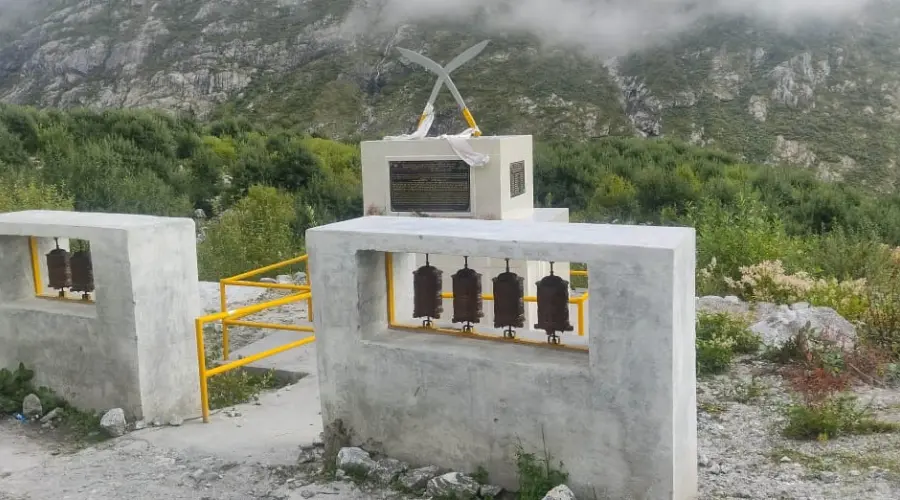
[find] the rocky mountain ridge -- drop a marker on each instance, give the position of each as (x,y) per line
(823,100)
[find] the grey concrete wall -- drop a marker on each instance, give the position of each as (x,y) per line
(134,347)
(622,418)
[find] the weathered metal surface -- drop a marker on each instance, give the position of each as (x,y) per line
(553,307)
(467,301)
(509,302)
(82,272)
(427,287)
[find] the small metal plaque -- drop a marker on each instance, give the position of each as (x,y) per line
(516,179)
(430,186)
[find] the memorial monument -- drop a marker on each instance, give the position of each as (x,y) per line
(468,175)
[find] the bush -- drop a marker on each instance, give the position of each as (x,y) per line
(720,337)
(256,232)
(22,192)
(769,282)
(833,417)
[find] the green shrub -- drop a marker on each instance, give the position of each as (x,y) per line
(835,416)
(720,336)
(22,192)
(256,232)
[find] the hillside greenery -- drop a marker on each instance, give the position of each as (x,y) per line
(147,162)
(764,233)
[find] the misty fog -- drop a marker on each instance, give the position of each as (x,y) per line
(605,27)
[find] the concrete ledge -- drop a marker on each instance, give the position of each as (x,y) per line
(622,418)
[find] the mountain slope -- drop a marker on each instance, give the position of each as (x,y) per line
(823,100)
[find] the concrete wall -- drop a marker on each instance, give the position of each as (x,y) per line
(621,417)
(134,347)
(489,183)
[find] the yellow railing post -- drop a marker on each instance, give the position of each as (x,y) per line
(223,302)
(389,279)
(581,317)
(36,266)
(201,363)
(309,301)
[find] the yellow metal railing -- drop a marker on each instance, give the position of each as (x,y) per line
(39,290)
(233,318)
(303,292)
(578,301)
(241,280)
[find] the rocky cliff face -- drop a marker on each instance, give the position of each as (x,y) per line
(823,101)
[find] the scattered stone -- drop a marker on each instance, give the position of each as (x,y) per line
(176,421)
(113,422)
(31,406)
(51,416)
(299,278)
(284,279)
(140,424)
(490,491)
(355,461)
(417,479)
(561,492)
(307,494)
(784,323)
(387,470)
(703,460)
(453,485)
(232,413)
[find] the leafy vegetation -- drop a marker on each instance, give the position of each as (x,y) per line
(16,384)
(719,338)
(764,233)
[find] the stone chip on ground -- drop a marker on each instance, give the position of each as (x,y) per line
(32,407)
(417,479)
(113,422)
(561,492)
(453,485)
(353,460)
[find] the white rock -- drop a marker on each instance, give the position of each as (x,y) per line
(561,492)
(784,323)
(417,479)
(453,485)
(113,422)
(31,406)
(354,460)
(51,415)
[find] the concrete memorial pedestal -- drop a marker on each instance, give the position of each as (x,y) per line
(428,178)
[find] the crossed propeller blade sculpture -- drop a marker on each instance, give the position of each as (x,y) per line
(443,74)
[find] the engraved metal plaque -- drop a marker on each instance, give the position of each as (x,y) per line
(430,186)
(516,179)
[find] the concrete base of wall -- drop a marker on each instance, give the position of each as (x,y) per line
(621,417)
(134,347)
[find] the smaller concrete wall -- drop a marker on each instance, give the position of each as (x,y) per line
(134,347)
(622,417)
(490,183)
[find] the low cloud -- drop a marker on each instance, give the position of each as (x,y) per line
(605,27)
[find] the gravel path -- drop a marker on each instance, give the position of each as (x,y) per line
(742,455)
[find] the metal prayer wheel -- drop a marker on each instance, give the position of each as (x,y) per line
(509,302)
(553,306)
(82,270)
(59,274)
(427,288)
(467,300)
